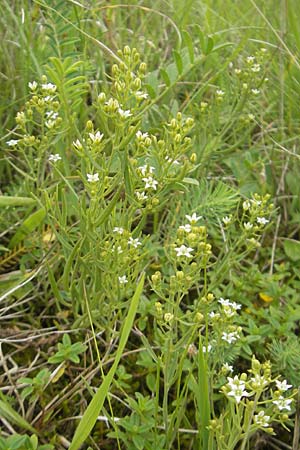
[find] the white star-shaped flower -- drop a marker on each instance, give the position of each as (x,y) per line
(262,220)
(134,242)
(282,385)
(54,158)
(92,178)
(226,367)
(186,228)
(141,196)
(283,403)
(49,87)
(184,251)
(230,337)
(123,279)
(124,114)
(96,138)
(141,95)
(32,85)
(261,419)
(141,136)
(193,218)
(150,183)
(146,169)
(224,302)
(12,142)
(118,230)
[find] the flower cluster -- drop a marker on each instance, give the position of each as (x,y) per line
(259,385)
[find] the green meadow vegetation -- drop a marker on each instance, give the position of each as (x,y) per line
(149,212)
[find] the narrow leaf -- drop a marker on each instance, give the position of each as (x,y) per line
(6,200)
(90,416)
(7,412)
(29,224)
(178,61)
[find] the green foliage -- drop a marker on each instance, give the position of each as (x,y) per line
(66,352)
(164,233)
(24,442)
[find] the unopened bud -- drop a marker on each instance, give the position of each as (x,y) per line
(126,50)
(193,158)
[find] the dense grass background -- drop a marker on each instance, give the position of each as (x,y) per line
(247,155)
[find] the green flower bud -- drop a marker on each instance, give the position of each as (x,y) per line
(177,138)
(193,158)
(173,124)
(89,126)
(179,275)
(127,50)
(199,317)
(137,84)
(190,122)
(143,67)
(115,69)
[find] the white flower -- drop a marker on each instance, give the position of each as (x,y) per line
(48,98)
(146,169)
(255,91)
(282,385)
(12,142)
(184,251)
(230,337)
(250,59)
(141,136)
(171,161)
(262,420)
(118,230)
(283,403)
(123,279)
(255,68)
(124,114)
(235,305)
(193,218)
(259,381)
(224,302)
(206,349)
(262,220)
(226,367)
(214,315)
(186,228)
(96,138)
(119,249)
(150,183)
(237,387)
(248,226)
(141,196)
(229,311)
(92,178)
(49,87)
(32,85)
(134,242)
(141,95)
(236,383)
(56,157)
(246,205)
(50,123)
(52,115)
(238,393)
(226,220)
(77,144)
(220,93)
(112,104)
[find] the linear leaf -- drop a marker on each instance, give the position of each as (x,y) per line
(6,200)
(90,416)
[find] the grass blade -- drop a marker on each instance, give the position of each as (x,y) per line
(89,418)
